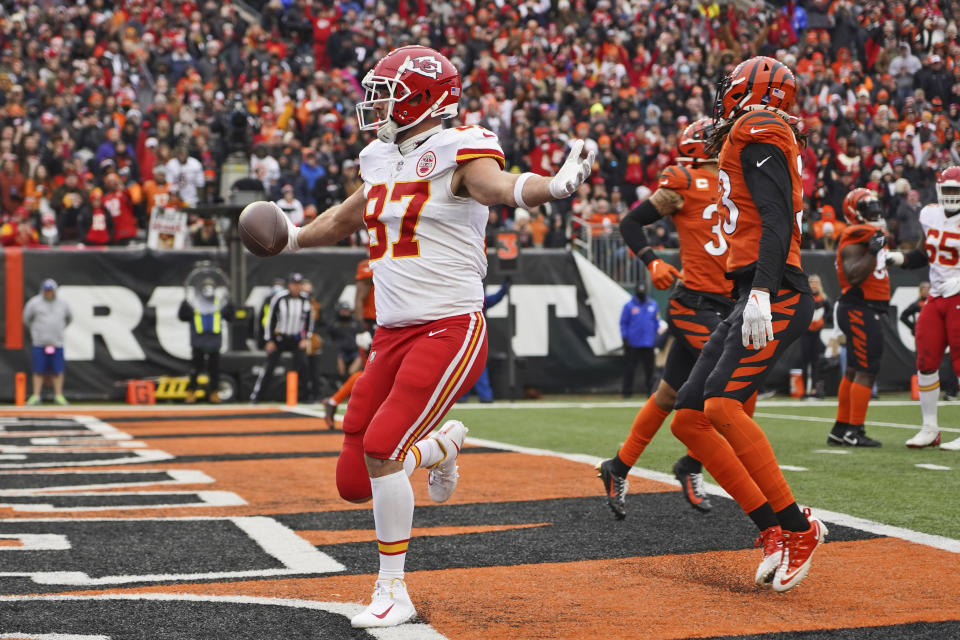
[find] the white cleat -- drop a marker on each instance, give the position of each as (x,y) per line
(953,445)
(442,480)
(771,543)
(926,437)
(390,606)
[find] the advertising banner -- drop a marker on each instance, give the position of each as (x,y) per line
(564,335)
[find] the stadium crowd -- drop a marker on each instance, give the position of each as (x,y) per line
(112,111)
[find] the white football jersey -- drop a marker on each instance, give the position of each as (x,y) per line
(427,249)
(941,235)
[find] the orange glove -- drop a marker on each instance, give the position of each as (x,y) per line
(663,273)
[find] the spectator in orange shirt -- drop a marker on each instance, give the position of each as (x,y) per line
(826,231)
(158,194)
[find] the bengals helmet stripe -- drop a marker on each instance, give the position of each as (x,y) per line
(759,82)
(861,206)
(692,143)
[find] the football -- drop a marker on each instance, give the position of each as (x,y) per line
(263,229)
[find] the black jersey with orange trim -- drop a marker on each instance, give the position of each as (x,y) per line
(876,288)
(761,149)
(702,245)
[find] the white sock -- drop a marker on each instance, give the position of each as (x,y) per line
(393,520)
(425,453)
(929,384)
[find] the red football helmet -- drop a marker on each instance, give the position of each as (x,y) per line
(407,86)
(948,190)
(759,82)
(861,206)
(692,143)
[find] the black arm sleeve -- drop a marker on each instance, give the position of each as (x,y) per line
(631,228)
(767,176)
(916,259)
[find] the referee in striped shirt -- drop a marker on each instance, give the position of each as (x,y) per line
(289,328)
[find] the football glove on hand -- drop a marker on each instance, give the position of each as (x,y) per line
(895,258)
(662,273)
(573,173)
(364,340)
(292,232)
(757,320)
(877,242)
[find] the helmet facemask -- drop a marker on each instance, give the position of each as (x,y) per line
(381,92)
(948,195)
(871,213)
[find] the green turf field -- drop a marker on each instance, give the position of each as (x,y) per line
(883,485)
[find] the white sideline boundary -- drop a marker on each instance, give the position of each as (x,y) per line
(412,631)
(926,539)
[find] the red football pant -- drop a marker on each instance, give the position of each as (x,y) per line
(937,327)
(412,378)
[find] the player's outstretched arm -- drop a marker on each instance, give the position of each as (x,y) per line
(486,183)
(915,259)
(334,224)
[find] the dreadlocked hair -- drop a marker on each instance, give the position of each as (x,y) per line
(722,129)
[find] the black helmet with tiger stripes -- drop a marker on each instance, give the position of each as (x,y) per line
(692,143)
(759,82)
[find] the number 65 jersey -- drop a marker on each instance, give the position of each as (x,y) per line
(427,249)
(941,239)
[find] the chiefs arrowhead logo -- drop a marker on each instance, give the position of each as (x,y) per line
(426,164)
(427,66)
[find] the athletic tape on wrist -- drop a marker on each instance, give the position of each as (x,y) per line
(518,189)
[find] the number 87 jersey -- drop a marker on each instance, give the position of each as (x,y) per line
(942,243)
(426,244)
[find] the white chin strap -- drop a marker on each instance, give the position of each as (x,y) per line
(414,141)
(387,132)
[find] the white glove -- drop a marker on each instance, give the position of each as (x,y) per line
(757,320)
(292,232)
(573,173)
(895,258)
(364,340)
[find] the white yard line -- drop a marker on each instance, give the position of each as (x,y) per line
(869,423)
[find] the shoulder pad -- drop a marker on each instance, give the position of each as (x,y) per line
(472,142)
(675,177)
(762,127)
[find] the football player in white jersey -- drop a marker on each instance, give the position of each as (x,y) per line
(424,200)
(939,323)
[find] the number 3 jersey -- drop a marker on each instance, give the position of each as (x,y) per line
(761,193)
(703,249)
(942,242)
(427,249)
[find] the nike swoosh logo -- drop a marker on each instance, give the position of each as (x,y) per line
(754,131)
(760,164)
(433,333)
(383,615)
